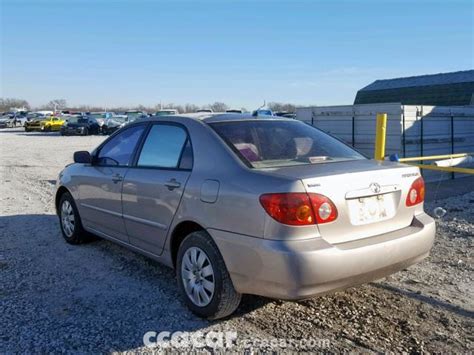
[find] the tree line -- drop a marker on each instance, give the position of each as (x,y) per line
(7,104)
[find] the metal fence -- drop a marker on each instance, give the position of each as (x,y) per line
(412,130)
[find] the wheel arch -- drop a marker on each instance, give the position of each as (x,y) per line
(61,191)
(180,232)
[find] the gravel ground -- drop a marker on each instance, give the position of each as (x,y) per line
(100,297)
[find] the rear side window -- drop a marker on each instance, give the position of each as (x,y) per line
(275,143)
(164,147)
(118,150)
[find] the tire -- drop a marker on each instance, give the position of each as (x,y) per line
(85,132)
(223,300)
(73,232)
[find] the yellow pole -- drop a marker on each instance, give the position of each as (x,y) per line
(451,169)
(380,133)
(435,157)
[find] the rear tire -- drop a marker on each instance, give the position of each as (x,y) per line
(70,221)
(203,279)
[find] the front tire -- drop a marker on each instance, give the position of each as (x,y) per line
(203,279)
(70,221)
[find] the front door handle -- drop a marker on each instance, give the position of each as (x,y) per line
(172,184)
(117,178)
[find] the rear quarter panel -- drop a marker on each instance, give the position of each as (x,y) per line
(237,208)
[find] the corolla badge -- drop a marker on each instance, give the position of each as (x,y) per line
(375,187)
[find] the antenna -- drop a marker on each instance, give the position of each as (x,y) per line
(264,104)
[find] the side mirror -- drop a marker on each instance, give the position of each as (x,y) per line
(82,157)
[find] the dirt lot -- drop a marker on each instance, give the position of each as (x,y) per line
(102,297)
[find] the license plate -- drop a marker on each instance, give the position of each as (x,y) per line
(372,209)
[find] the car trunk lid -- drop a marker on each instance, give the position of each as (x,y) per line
(369,196)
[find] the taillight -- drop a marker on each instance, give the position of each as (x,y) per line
(324,208)
(289,208)
(299,209)
(416,194)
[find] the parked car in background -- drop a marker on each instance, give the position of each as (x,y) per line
(204,111)
(46,113)
(134,115)
(11,120)
(114,123)
(262,112)
(34,115)
(44,124)
(78,113)
(234,111)
(100,117)
(279,209)
(6,121)
(80,125)
(167,112)
(285,114)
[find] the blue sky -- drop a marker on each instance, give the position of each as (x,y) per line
(108,52)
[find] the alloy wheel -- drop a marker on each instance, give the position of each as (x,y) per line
(67,218)
(198,278)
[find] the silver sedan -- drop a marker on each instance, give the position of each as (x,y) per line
(240,204)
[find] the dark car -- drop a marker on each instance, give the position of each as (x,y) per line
(80,125)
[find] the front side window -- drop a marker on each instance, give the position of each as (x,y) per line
(119,150)
(163,147)
(275,143)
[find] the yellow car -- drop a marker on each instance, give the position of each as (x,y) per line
(45,124)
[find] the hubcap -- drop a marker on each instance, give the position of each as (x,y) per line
(198,276)
(67,218)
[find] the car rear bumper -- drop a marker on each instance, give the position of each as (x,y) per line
(306,268)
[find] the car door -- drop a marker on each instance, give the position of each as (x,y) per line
(153,187)
(100,188)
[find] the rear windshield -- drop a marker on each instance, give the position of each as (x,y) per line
(275,143)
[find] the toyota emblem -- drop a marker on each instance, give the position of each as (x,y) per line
(375,187)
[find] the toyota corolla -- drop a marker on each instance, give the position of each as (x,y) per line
(239,204)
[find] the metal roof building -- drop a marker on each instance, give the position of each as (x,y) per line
(446,89)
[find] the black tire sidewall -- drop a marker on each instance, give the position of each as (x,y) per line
(197,240)
(75,238)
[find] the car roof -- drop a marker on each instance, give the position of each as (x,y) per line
(217,117)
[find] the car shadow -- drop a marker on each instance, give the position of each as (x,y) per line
(22,132)
(44,134)
(426,299)
(108,294)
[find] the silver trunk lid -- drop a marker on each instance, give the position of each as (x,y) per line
(369,196)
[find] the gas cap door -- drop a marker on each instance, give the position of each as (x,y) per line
(209,191)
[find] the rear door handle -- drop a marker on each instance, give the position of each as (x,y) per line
(172,184)
(117,178)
